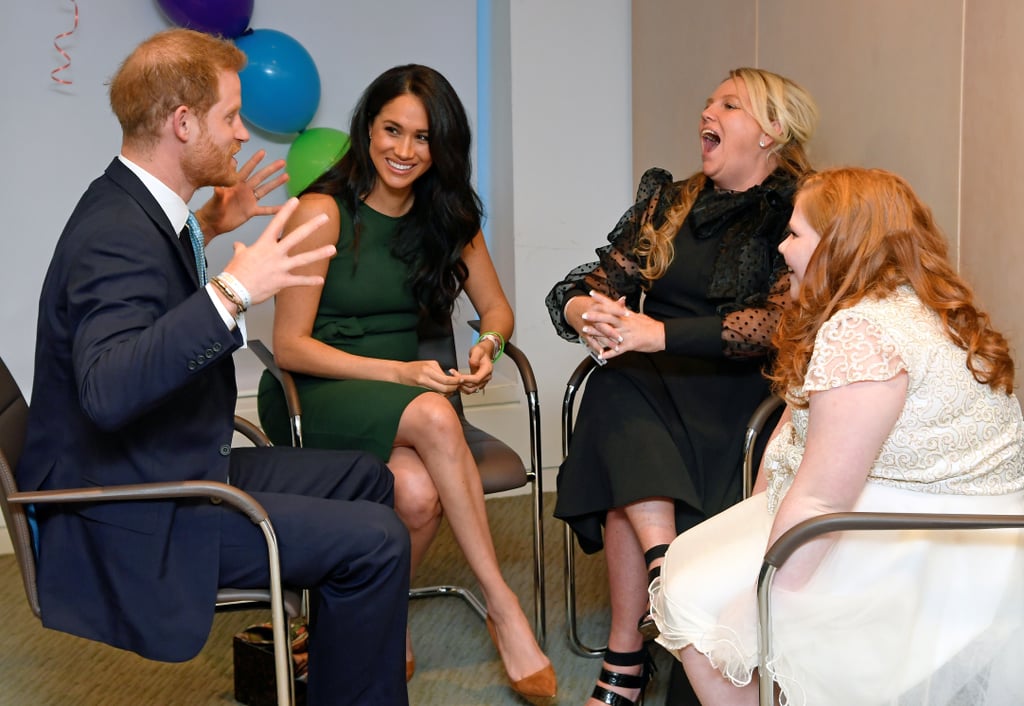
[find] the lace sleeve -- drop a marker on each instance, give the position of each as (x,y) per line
(617,270)
(751,274)
(747,332)
(851,348)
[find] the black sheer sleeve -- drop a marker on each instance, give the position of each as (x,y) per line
(733,331)
(751,274)
(762,282)
(747,332)
(617,270)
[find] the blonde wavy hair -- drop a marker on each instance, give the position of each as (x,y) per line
(782,109)
(877,235)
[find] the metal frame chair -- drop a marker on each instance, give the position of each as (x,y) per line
(13,420)
(807,530)
(501,468)
(576,380)
(762,414)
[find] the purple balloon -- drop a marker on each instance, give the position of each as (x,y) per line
(228,18)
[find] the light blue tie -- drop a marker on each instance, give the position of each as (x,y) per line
(195,234)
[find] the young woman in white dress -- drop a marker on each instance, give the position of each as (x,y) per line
(900,399)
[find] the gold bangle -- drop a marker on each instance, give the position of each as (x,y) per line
(226,290)
(237,287)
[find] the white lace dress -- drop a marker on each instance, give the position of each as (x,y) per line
(907,618)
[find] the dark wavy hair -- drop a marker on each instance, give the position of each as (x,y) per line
(446,212)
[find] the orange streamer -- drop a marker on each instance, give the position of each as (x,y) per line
(63,35)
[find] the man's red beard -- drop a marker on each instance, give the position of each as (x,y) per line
(208,165)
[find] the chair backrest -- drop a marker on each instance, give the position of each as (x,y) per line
(21,536)
(13,422)
(13,416)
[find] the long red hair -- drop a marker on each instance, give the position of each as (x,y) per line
(876,235)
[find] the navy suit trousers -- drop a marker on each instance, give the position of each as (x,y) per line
(338,536)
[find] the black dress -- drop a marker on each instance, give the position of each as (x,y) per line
(671,424)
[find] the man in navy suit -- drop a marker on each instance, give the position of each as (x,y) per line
(134,382)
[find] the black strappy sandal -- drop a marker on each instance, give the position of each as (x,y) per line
(647,627)
(624,681)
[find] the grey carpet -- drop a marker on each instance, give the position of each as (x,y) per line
(456,663)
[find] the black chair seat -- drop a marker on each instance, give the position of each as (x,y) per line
(500,467)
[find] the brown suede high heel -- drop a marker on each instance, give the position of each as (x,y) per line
(541,684)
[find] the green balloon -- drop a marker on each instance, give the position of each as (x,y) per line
(312,153)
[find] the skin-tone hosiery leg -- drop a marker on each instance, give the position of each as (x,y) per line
(627,581)
(629,531)
(710,686)
(430,427)
(419,508)
(654,522)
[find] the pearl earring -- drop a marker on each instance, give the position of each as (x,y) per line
(761,143)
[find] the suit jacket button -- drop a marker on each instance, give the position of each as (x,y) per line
(225,450)
(192,365)
(217,347)
(209,352)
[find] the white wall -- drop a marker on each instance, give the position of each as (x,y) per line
(571,166)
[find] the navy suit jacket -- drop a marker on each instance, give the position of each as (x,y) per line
(133,383)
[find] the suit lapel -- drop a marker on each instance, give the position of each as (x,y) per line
(126,179)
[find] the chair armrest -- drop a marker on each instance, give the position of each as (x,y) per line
(523,366)
(809,529)
(755,426)
(251,432)
(572,387)
(764,412)
(264,355)
(580,373)
(798,535)
(214,490)
(291,392)
(516,355)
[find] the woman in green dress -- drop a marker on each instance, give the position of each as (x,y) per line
(406,223)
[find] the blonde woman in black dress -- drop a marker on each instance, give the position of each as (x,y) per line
(657,444)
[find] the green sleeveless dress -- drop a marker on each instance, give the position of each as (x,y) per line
(366,309)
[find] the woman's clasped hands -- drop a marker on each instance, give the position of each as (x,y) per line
(428,374)
(612,329)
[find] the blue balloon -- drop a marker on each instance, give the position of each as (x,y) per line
(228,18)
(280,83)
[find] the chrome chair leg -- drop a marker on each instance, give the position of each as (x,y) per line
(577,645)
